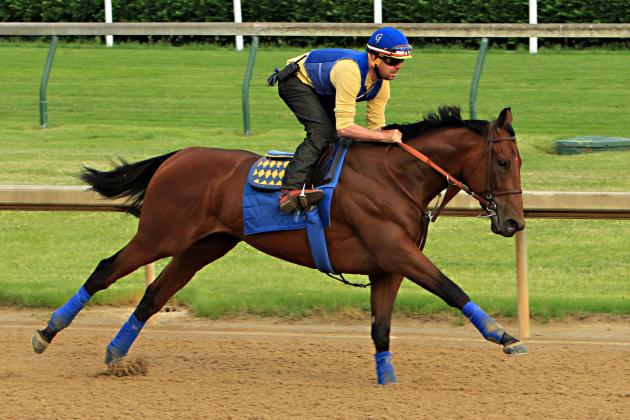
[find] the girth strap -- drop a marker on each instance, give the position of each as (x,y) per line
(317,241)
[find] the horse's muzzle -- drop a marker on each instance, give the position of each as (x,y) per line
(506,228)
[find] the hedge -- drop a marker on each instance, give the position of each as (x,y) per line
(430,11)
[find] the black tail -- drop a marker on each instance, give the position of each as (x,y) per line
(125,180)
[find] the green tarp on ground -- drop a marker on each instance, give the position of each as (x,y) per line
(589,144)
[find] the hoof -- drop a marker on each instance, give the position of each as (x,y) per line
(112,358)
(515,348)
(39,342)
(388,378)
(385,373)
(124,367)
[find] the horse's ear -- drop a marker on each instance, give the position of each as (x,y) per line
(504,117)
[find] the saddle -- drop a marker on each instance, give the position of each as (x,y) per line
(261,212)
(267,173)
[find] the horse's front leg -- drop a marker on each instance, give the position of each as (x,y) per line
(383,295)
(402,256)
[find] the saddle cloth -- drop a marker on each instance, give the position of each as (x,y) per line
(261,212)
(268,171)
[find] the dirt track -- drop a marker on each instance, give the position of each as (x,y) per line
(280,369)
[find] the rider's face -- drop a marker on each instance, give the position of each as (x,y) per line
(387,67)
(389,71)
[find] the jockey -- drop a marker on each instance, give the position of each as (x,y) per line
(322,88)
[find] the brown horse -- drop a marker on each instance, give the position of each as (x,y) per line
(189,205)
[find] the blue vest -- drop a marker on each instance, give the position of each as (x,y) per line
(319,63)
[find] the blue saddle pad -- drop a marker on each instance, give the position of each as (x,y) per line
(261,212)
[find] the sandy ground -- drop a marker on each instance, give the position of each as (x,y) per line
(250,368)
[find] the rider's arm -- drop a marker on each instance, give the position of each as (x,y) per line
(359,133)
(346,78)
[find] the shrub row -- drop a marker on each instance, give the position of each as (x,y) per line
(430,11)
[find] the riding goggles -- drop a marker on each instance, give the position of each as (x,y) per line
(391,61)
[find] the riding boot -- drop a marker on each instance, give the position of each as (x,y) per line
(291,200)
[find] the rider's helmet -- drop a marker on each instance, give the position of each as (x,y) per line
(389,42)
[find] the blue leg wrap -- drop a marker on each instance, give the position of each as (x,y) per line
(120,345)
(385,369)
(63,316)
(488,327)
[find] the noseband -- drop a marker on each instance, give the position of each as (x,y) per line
(486,200)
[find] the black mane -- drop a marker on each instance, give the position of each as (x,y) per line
(445,117)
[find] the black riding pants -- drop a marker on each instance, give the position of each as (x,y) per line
(317,115)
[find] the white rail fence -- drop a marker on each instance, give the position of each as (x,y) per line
(459,30)
(538,204)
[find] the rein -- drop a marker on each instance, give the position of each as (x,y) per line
(486,200)
(452,181)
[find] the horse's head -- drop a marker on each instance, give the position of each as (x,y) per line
(496,175)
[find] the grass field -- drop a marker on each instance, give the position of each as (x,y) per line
(136,102)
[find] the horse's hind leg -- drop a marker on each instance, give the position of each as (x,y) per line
(383,294)
(125,261)
(175,276)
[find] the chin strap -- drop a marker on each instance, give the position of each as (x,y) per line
(376,70)
(376,62)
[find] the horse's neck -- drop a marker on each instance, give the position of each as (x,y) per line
(446,148)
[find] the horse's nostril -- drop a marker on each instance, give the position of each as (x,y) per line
(511,226)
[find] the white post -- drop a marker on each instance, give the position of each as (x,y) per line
(238,18)
(109,39)
(378,11)
(533,19)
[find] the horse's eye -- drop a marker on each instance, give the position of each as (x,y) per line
(502,163)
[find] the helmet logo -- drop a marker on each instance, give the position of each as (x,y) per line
(378,38)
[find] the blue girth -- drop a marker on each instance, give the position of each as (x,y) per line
(317,241)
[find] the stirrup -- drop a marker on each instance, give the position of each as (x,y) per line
(291,200)
(310,197)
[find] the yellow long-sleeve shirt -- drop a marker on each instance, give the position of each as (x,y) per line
(346,78)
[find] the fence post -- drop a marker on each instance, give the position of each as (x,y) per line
(248,76)
(472,100)
(109,39)
(378,11)
(238,18)
(43,84)
(521,284)
(533,20)
(149,274)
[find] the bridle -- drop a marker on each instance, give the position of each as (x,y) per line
(486,200)
(490,193)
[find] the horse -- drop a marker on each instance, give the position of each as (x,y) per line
(189,207)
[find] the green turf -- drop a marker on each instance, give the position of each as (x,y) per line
(136,102)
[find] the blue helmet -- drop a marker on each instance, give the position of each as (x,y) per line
(388,41)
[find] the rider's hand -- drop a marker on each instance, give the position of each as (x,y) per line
(392,136)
